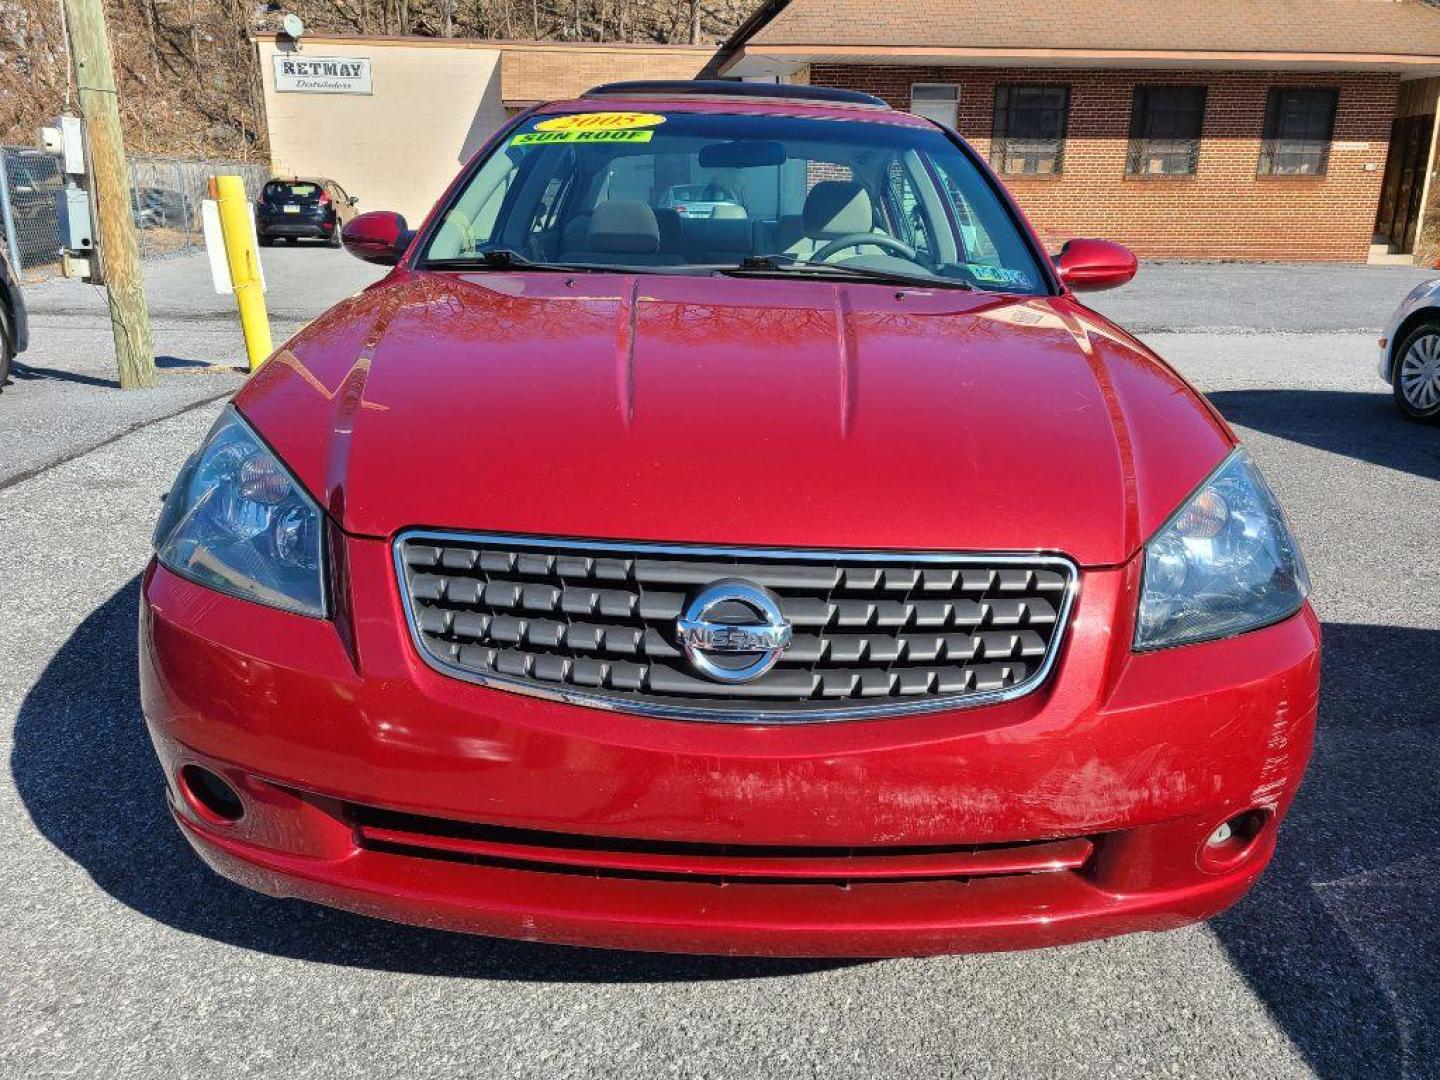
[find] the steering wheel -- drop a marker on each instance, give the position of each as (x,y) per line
(899,247)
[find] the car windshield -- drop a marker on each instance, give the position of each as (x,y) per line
(687,192)
(277,191)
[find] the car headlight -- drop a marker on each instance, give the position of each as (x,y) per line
(1224,563)
(237,521)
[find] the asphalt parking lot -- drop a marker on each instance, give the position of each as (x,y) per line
(121,955)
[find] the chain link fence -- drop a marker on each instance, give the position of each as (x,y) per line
(30,213)
(166,194)
(165,198)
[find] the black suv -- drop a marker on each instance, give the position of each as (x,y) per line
(302,207)
(14,326)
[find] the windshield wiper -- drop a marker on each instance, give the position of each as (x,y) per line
(507,259)
(761,265)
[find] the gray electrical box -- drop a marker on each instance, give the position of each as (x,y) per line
(75,232)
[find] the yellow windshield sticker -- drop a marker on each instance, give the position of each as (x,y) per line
(601,121)
(551,138)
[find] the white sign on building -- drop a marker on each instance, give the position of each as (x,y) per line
(322,74)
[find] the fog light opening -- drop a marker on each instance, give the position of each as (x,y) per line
(1221,835)
(1233,839)
(210,796)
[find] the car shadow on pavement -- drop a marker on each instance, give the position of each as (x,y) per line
(1360,425)
(1341,937)
(83,765)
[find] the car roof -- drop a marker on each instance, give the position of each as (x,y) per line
(712,96)
(726,88)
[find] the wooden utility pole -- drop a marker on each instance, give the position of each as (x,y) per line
(110,191)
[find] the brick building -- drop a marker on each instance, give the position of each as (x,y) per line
(1249,129)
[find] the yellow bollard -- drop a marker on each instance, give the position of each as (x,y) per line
(244,260)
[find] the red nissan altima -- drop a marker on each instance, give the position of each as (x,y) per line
(807,573)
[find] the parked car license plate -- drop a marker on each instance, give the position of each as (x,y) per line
(291,208)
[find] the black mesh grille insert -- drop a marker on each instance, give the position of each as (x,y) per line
(596,624)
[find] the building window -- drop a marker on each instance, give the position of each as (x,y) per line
(1298,126)
(1029,132)
(936,101)
(1165,130)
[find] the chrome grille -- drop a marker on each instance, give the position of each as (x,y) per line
(595,624)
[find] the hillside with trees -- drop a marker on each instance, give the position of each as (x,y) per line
(187,71)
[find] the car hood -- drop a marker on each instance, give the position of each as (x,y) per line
(745,411)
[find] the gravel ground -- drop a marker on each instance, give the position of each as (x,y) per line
(122,956)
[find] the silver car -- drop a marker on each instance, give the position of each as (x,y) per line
(1410,353)
(702,201)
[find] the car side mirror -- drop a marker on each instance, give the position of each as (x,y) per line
(1092,265)
(381,236)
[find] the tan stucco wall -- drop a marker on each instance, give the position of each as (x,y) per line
(395,149)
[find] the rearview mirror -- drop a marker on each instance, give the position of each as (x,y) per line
(741,154)
(1092,265)
(381,236)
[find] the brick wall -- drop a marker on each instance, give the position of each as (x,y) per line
(1223,210)
(543,71)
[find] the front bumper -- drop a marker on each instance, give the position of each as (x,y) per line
(14,302)
(322,725)
(1421,297)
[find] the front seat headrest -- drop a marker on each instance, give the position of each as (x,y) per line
(624,225)
(836,208)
